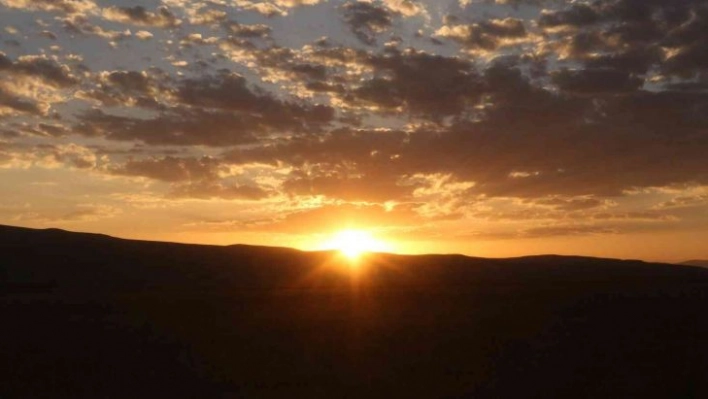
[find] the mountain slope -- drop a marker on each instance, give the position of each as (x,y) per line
(696,262)
(95,316)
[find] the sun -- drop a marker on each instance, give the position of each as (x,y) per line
(353,243)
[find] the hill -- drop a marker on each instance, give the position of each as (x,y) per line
(696,262)
(90,316)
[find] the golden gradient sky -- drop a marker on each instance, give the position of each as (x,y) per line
(489,128)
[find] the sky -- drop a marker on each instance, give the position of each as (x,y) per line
(488,128)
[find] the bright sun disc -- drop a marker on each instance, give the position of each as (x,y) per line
(353,243)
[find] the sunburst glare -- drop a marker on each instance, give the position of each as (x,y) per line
(353,243)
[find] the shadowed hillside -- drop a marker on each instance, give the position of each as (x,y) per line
(89,316)
(696,262)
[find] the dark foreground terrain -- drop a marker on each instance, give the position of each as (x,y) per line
(90,316)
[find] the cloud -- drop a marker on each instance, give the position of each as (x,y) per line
(213,110)
(73,155)
(47,156)
(170,169)
(128,88)
(669,36)
(486,35)
(80,25)
(366,20)
(162,17)
(230,92)
(79,213)
(299,72)
(407,8)
(47,129)
(352,165)
(143,35)
(551,111)
(647,216)
(215,190)
(66,6)
(48,34)
(684,201)
(554,230)
(422,84)
(271,8)
(569,230)
(190,177)
(571,203)
(30,84)
(11,104)
(248,31)
(178,126)
(49,71)
(334,217)
(519,148)
(596,81)
(576,15)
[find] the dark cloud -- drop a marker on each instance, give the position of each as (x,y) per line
(544,231)
(41,67)
(366,20)
(648,216)
(170,169)
(528,143)
(41,129)
(337,184)
(637,60)
(421,84)
(218,110)
(50,155)
(280,63)
(575,16)
(353,165)
(31,83)
(191,177)
(130,80)
(211,190)
(66,6)
(71,155)
(487,35)
(596,81)
(49,35)
(571,204)
(570,230)
(128,88)
(231,92)
(16,103)
(669,36)
(77,213)
(82,25)
(344,145)
(139,15)
(246,31)
(52,129)
(684,201)
(177,126)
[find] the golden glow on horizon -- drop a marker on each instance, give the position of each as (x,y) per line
(353,243)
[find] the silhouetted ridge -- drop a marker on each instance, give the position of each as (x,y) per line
(88,315)
(696,262)
(83,261)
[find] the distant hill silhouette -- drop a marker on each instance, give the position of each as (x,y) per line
(88,315)
(696,262)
